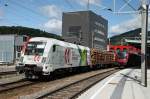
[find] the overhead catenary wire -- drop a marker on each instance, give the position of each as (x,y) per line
(135,11)
(130,5)
(70,4)
(88,4)
(28,9)
(11,10)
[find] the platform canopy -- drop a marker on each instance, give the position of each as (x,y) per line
(135,40)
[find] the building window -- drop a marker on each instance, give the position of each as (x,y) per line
(24,39)
(99,24)
(75,29)
(100,32)
(99,39)
(98,46)
(18,48)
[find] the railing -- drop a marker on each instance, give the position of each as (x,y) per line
(135,39)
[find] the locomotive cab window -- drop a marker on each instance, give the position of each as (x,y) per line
(122,55)
(35,48)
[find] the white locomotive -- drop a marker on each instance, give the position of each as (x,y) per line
(42,56)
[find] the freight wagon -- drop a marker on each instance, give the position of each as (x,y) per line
(99,57)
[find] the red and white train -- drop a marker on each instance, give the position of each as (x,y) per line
(126,55)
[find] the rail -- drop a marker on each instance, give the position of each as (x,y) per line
(73,90)
(71,83)
(14,85)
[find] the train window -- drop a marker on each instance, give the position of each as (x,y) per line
(124,50)
(121,55)
(54,48)
(35,48)
(118,50)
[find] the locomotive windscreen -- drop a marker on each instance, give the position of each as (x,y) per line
(35,48)
(121,55)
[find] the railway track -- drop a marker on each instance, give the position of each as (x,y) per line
(7,74)
(32,90)
(14,85)
(73,90)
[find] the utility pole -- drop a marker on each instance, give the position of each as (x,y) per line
(144,25)
(88,5)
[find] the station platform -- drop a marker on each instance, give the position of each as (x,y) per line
(125,84)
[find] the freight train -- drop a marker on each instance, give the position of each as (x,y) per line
(43,56)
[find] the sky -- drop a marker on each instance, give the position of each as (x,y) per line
(47,14)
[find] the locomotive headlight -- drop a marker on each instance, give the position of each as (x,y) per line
(43,59)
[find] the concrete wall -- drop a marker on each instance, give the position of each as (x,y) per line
(8,47)
(76,19)
(99,28)
(91,24)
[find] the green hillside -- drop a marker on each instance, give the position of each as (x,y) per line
(19,30)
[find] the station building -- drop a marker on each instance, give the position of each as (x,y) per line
(85,28)
(10,48)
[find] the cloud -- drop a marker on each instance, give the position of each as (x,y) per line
(131,24)
(53,26)
(1,13)
(51,11)
(84,2)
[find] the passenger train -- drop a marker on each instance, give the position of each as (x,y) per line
(126,55)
